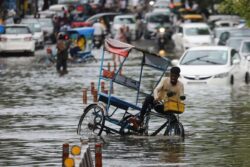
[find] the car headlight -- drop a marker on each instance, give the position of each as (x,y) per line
(162,30)
(222,75)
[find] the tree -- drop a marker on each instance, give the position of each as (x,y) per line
(240,7)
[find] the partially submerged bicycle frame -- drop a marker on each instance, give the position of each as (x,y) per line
(103,116)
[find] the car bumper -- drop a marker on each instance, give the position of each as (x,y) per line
(17,47)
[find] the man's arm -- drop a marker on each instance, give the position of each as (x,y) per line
(158,88)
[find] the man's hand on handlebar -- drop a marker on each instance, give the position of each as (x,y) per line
(183,97)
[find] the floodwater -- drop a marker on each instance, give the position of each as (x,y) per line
(40,110)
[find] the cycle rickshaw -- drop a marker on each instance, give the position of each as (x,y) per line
(115,106)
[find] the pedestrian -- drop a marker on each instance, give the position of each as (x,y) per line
(127,34)
(120,35)
(62,54)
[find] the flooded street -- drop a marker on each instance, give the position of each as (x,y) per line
(40,110)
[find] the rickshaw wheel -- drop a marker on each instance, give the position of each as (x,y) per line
(92,121)
(175,129)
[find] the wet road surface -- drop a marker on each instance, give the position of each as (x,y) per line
(40,111)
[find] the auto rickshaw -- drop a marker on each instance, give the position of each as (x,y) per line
(190,16)
(80,43)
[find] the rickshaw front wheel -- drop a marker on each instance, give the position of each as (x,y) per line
(175,129)
(92,121)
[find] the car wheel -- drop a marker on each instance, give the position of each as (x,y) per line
(247,78)
(232,80)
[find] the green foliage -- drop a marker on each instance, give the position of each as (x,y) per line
(240,7)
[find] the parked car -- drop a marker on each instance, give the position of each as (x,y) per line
(245,48)
(188,35)
(79,21)
(235,42)
(238,32)
(107,17)
(227,23)
(126,20)
(47,27)
(217,31)
(220,65)
(162,6)
(154,20)
(36,29)
(17,38)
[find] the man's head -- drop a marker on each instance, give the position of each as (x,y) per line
(174,75)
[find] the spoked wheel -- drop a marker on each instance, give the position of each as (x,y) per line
(175,129)
(92,121)
(125,127)
(128,126)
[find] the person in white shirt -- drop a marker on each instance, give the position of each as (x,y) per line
(99,29)
(169,88)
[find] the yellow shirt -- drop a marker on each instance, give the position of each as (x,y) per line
(164,86)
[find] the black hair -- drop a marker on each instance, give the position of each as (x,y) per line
(175,70)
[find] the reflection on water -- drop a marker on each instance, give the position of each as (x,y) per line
(40,111)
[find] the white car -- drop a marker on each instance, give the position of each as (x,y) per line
(17,38)
(245,48)
(188,35)
(162,6)
(38,34)
(126,20)
(219,65)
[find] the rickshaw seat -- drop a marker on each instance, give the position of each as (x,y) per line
(114,101)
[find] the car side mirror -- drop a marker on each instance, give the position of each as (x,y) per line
(223,38)
(174,62)
(236,61)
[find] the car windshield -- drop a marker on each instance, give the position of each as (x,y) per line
(205,57)
(235,43)
(35,27)
(17,30)
(45,23)
(197,31)
(246,47)
(240,33)
(219,31)
(158,18)
(124,20)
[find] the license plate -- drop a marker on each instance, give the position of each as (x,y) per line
(197,83)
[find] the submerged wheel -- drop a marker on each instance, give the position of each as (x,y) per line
(175,129)
(92,121)
(247,79)
(232,80)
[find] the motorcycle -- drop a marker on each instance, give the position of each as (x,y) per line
(163,36)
